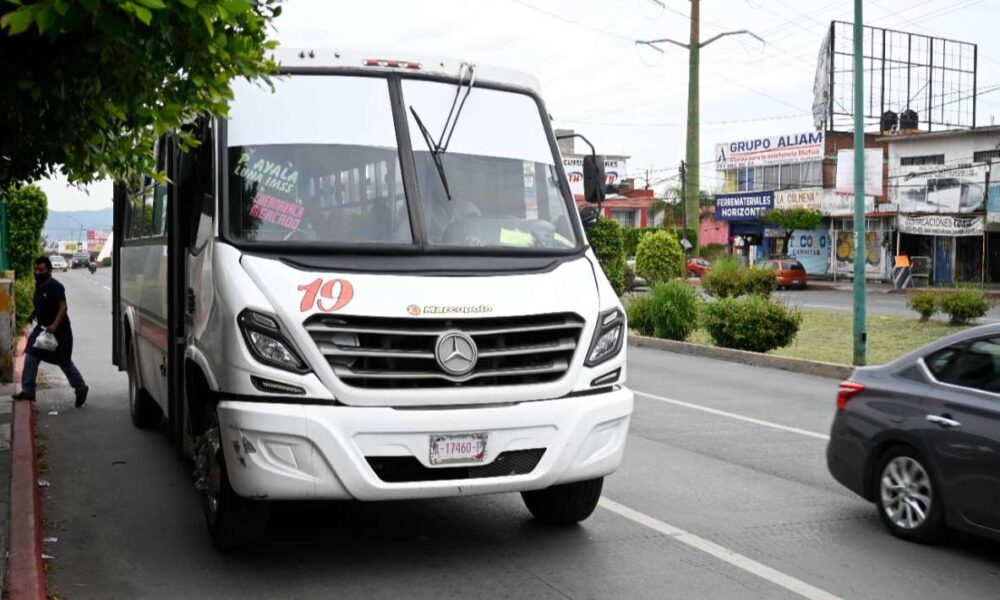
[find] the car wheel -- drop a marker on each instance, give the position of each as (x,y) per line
(908,498)
(233,522)
(564,504)
(143,409)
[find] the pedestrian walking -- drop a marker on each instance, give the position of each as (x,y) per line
(50,315)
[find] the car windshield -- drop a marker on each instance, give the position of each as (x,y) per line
(502,185)
(315,161)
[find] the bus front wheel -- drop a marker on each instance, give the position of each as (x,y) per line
(564,504)
(233,522)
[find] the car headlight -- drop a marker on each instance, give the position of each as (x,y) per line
(608,337)
(268,344)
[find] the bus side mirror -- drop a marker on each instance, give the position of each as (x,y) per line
(589,215)
(593,178)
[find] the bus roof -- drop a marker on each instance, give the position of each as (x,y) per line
(319,58)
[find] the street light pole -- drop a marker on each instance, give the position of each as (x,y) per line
(692,183)
(860,335)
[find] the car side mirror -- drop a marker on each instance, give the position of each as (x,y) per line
(594,178)
(589,215)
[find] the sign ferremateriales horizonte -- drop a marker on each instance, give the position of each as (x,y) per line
(743,206)
(776,150)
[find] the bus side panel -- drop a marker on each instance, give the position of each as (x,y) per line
(144,289)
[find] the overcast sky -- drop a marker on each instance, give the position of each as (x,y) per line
(627,100)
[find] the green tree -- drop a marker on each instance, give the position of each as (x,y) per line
(608,243)
(790,219)
(659,257)
(27,209)
(90,84)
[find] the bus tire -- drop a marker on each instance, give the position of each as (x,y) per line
(564,504)
(143,409)
(233,522)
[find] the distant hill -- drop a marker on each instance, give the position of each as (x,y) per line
(66,225)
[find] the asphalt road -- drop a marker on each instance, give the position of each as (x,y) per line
(723,494)
(878,303)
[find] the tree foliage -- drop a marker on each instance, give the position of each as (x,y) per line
(659,257)
(27,209)
(790,219)
(608,243)
(90,84)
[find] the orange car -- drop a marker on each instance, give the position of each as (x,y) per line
(789,272)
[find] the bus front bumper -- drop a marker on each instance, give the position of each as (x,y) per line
(300,452)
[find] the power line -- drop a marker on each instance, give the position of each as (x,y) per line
(726,122)
(572,22)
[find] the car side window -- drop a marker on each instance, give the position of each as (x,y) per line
(973,365)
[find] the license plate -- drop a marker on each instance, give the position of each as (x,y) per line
(458,448)
(797,282)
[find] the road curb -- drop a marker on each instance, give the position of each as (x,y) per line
(795,365)
(25,567)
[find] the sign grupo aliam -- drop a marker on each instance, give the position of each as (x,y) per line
(778,150)
(743,206)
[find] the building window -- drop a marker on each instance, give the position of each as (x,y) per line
(985,156)
(731,183)
(772,178)
(623,216)
(776,177)
(916,161)
(812,174)
(746,179)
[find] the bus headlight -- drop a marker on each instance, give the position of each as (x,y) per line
(268,344)
(608,337)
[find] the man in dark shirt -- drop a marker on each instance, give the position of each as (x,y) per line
(51,316)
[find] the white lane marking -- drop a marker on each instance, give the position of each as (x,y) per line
(722,553)
(730,415)
(106,287)
(827,306)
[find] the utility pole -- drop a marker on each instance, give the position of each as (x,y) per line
(860,334)
(684,209)
(692,184)
(692,195)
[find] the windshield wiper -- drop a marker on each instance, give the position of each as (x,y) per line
(449,123)
(441,146)
(435,152)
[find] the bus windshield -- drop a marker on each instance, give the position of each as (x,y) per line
(499,186)
(317,161)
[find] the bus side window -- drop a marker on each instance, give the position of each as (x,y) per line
(204,220)
(158,210)
(139,214)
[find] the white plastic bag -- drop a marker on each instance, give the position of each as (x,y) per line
(46,341)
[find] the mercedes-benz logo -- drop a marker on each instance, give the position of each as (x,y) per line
(456,353)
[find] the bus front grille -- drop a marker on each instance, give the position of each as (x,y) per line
(391,353)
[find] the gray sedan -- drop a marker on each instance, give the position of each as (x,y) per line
(920,437)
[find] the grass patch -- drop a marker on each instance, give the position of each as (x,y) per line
(828,336)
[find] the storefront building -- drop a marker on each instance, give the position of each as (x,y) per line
(941,182)
(797,171)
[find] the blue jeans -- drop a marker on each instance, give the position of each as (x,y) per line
(30,372)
